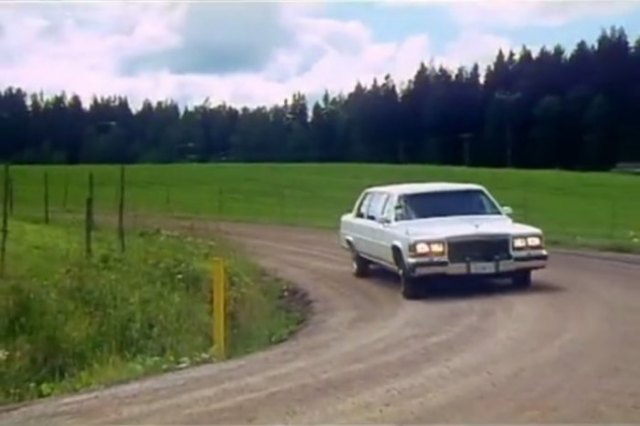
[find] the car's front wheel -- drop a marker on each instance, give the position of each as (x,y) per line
(359,265)
(521,279)
(409,287)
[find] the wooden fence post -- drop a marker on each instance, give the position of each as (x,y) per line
(219,306)
(121,211)
(88,228)
(92,221)
(88,219)
(5,219)
(10,195)
(46,197)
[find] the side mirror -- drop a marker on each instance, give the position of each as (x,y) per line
(507,210)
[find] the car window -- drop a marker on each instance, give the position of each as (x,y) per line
(376,206)
(388,211)
(400,209)
(448,203)
(364,204)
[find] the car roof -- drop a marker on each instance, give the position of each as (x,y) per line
(415,187)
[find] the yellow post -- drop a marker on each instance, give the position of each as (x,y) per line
(219,308)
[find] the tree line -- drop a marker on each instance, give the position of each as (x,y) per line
(546,109)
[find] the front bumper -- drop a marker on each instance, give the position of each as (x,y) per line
(529,261)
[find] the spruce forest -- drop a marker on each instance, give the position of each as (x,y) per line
(575,109)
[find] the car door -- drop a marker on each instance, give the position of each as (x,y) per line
(378,229)
(360,224)
(387,231)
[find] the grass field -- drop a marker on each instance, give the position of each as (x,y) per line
(70,323)
(598,209)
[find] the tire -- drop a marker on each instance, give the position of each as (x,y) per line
(409,287)
(521,279)
(359,265)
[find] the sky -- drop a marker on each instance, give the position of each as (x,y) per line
(259,53)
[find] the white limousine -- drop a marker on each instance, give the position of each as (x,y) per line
(429,229)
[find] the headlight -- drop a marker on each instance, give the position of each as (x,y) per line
(437,248)
(534,241)
(425,248)
(422,248)
(531,242)
(519,243)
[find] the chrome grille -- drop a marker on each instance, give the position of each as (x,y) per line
(479,250)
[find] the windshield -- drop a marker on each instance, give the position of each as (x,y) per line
(446,203)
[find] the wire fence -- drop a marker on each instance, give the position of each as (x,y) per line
(575,214)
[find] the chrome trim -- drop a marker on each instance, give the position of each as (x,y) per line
(505,266)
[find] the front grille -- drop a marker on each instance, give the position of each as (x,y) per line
(479,250)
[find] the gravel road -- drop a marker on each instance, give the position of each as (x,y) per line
(567,350)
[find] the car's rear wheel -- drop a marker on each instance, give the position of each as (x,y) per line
(521,279)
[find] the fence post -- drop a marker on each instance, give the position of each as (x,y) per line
(46,197)
(10,196)
(121,211)
(5,221)
(92,222)
(219,306)
(88,226)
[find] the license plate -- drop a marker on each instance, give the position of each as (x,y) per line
(483,268)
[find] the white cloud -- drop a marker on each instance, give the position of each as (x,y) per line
(221,38)
(85,49)
(473,47)
(542,13)
(520,13)
(347,53)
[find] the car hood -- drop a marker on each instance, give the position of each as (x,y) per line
(457,226)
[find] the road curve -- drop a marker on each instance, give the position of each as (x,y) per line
(567,350)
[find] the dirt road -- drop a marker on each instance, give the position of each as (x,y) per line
(568,350)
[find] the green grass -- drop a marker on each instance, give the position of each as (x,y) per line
(593,209)
(69,323)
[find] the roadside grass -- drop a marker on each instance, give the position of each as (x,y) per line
(599,210)
(69,323)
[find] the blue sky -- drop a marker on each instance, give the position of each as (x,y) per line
(395,23)
(260,53)
(438,19)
